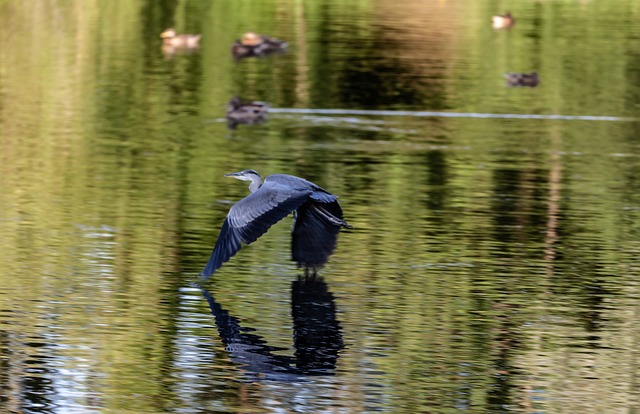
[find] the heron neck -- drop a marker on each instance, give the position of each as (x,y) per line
(256,182)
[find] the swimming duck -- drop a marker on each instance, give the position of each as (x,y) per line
(249,112)
(503,21)
(187,41)
(253,44)
(523,79)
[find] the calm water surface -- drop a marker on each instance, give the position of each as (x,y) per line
(494,261)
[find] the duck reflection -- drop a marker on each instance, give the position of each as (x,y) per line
(316,332)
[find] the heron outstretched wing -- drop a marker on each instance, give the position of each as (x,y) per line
(251,217)
(315,233)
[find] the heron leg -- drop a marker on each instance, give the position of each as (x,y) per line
(310,272)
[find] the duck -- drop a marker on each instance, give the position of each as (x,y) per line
(523,79)
(503,21)
(187,41)
(245,112)
(252,44)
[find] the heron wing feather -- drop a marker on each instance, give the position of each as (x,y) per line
(290,181)
(314,234)
(251,217)
(227,245)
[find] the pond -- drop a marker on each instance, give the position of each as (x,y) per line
(494,260)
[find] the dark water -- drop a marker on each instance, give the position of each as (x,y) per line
(494,262)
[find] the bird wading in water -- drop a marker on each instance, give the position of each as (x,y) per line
(317,219)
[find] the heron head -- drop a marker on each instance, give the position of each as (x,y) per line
(248,175)
(245,175)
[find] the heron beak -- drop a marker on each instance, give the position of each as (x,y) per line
(235,174)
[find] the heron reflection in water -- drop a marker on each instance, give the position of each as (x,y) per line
(317,336)
(317,219)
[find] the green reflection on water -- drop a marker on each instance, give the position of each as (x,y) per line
(494,262)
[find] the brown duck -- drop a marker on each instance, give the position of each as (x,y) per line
(522,79)
(254,45)
(503,21)
(245,112)
(187,41)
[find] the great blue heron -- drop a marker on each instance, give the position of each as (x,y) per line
(317,219)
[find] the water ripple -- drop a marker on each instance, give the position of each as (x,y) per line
(447,114)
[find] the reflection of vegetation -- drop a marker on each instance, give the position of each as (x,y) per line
(493,260)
